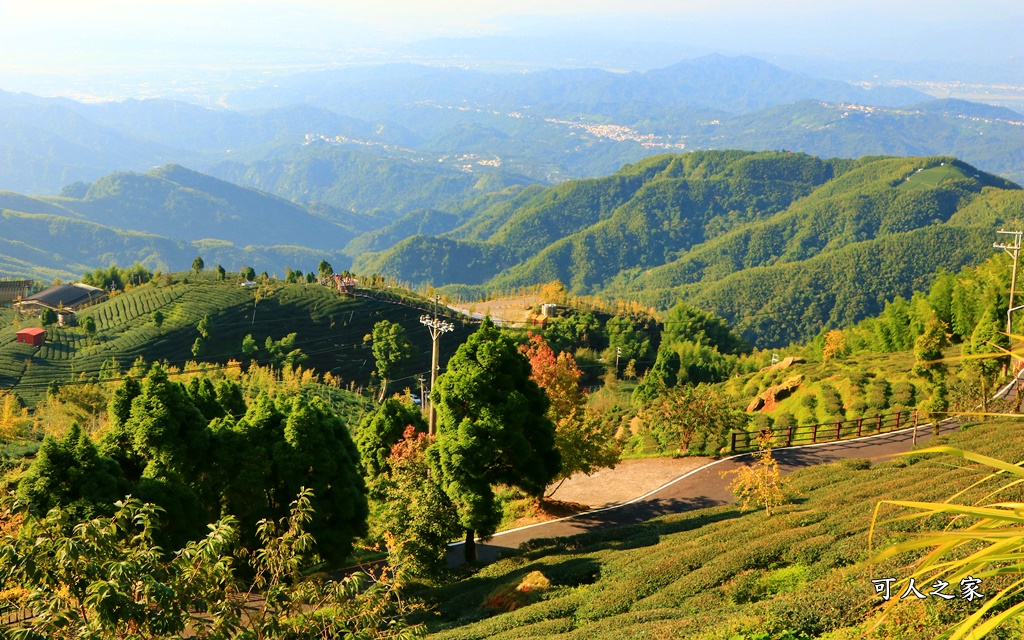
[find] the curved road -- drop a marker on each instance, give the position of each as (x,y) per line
(697,489)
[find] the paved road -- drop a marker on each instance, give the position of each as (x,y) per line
(700,488)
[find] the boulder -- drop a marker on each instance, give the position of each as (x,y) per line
(765,401)
(785,363)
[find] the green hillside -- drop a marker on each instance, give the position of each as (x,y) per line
(725,573)
(678,227)
(359,181)
(46,246)
(164,218)
(329,328)
(195,206)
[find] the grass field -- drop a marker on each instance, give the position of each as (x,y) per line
(932,177)
(330,332)
(726,574)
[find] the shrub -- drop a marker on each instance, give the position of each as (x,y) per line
(857,464)
(858,380)
(857,408)
(762,422)
(831,400)
(903,393)
(878,393)
(784,421)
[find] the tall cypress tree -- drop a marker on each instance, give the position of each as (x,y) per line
(492,429)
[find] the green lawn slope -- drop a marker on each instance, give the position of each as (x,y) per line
(724,573)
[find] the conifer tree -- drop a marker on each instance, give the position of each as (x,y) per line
(380,430)
(492,429)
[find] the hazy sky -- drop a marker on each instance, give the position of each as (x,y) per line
(100,37)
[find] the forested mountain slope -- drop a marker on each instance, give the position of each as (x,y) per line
(165,218)
(710,226)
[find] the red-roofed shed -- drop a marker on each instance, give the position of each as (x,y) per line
(34,336)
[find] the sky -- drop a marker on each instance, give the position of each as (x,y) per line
(104,42)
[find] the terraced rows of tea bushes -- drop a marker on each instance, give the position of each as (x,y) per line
(135,306)
(330,331)
(723,573)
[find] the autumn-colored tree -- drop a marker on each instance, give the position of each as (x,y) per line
(834,346)
(761,483)
(413,515)
(14,418)
(553,291)
(585,442)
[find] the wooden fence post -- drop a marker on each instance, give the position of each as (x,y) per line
(732,449)
(789,436)
(839,426)
(915,428)
(897,427)
(860,422)
(878,424)
(814,433)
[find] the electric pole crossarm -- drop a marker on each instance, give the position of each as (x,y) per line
(1013,250)
(436,328)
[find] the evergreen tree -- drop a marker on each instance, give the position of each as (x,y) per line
(391,348)
(325,269)
(71,473)
(686,324)
(380,430)
(249,347)
(204,327)
(990,340)
(492,429)
(319,454)
(89,324)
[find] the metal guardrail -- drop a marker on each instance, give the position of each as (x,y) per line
(826,431)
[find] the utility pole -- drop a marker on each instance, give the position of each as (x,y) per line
(423,398)
(618,354)
(436,327)
(1014,252)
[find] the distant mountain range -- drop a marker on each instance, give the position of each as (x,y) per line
(715,82)
(395,138)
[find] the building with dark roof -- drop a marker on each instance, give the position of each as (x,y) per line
(14,290)
(70,297)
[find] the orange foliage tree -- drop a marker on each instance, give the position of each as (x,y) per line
(586,442)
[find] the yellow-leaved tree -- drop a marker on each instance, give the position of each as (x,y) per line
(14,420)
(760,484)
